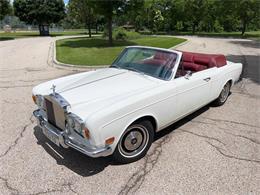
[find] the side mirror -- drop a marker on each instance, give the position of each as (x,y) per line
(188,74)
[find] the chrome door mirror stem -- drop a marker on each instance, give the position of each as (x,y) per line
(188,74)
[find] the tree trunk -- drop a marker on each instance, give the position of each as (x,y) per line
(193,28)
(44,30)
(96,26)
(89,29)
(243,28)
(109,27)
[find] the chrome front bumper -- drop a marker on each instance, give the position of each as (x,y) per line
(61,138)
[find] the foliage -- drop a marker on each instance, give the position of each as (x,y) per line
(108,9)
(247,10)
(217,27)
(5,8)
(157,20)
(82,12)
(121,33)
(40,12)
(153,16)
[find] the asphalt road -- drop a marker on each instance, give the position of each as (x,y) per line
(215,150)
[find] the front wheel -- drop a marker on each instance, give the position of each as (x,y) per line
(135,142)
(222,98)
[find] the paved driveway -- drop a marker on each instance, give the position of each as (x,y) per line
(217,149)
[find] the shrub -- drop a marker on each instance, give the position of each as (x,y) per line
(218,27)
(122,34)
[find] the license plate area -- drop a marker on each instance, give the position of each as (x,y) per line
(51,136)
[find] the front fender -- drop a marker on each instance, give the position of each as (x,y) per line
(117,128)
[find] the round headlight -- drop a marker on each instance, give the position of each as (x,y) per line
(77,126)
(71,122)
(39,101)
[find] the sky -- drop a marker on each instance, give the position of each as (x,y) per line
(66,1)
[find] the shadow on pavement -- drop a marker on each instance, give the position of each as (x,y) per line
(251,66)
(247,43)
(72,159)
(251,63)
(180,123)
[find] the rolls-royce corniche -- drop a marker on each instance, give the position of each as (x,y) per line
(118,110)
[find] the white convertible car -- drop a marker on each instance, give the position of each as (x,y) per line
(117,110)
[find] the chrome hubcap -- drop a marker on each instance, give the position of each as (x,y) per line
(133,141)
(224,93)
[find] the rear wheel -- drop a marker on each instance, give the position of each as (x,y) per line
(135,142)
(222,98)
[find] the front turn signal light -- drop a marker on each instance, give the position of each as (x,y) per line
(86,133)
(110,140)
(34,98)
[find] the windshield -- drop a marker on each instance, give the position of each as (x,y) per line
(153,62)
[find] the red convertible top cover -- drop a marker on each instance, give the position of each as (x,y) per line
(199,61)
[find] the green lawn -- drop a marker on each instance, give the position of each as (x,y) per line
(14,35)
(95,51)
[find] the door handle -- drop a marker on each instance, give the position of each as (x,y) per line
(207,79)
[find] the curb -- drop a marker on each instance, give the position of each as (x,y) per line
(180,44)
(56,63)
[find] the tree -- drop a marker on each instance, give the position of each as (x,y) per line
(109,8)
(5,8)
(134,13)
(41,12)
(157,20)
(82,11)
(247,10)
(195,11)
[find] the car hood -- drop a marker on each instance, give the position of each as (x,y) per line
(91,91)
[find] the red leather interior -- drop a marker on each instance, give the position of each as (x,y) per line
(153,62)
(159,58)
(197,61)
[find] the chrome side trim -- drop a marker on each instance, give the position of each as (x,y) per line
(61,138)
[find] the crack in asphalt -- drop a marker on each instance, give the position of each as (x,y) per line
(201,122)
(18,138)
(220,151)
(245,137)
(242,87)
(15,191)
(202,136)
(8,186)
(150,160)
(216,124)
(61,189)
(228,121)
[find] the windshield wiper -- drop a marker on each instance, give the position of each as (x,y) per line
(115,66)
(132,69)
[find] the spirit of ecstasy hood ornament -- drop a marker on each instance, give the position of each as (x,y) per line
(53,89)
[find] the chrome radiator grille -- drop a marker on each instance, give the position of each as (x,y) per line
(50,112)
(55,113)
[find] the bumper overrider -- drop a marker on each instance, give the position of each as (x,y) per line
(61,138)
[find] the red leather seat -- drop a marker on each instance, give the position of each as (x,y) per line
(193,67)
(197,61)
